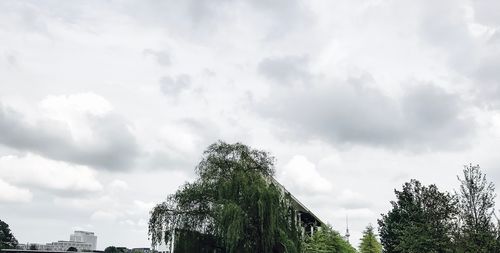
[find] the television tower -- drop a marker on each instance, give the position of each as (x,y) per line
(347,228)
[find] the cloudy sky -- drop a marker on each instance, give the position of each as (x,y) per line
(106,106)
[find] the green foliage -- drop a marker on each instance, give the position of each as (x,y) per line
(421,220)
(232,200)
(113,249)
(110,249)
(327,240)
(7,239)
(369,242)
(476,229)
(192,241)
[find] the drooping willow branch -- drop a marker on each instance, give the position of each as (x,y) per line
(233,201)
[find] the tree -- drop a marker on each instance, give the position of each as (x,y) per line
(421,220)
(113,249)
(232,205)
(476,228)
(72,249)
(33,247)
(7,239)
(327,240)
(369,242)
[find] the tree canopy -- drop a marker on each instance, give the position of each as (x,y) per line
(369,242)
(421,220)
(424,219)
(113,249)
(7,239)
(233,205)
(327,240)
(476,228)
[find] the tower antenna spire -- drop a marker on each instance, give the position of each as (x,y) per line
(347,235)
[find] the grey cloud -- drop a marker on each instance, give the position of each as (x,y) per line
(112,147)
(284,15)
(170,157)
(192,19)
(487,70)
(425,118)
(187,18)
(285,70)
(206,130)
(336,201)
(174,86)
(435,116)
(183,17)
(485,75)
(27,16)
(167,160)
(11,59)
(446,27)
(354,204)
(204,17)
(443,25)
(486,12)
(162,57)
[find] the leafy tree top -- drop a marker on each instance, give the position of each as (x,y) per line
(369,242)
(327,240)
(7,239)
(113,249)
(476,228)
(477,198)
(421,220)
(232,200)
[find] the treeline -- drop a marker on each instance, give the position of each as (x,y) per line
(328,240)
(425,219)
(233,207)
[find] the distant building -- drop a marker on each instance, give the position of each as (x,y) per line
(81,240)
(65,245)
(85,237)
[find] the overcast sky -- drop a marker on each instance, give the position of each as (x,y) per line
(106,106)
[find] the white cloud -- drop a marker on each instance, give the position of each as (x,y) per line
(77,128)
(74,110)
(101,215)
(90,203)
(118,185)
(353,214)
(349,199)
(144,206)
(65,106)
(11,193)
(40,172)
(301,175)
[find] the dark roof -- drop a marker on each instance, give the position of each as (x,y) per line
(298,205)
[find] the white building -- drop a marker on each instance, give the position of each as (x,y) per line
(65,245)
(85,237)
(81,240)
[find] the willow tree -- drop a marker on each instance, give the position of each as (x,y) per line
(232,205)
